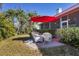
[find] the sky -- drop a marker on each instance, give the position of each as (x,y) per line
(40,8)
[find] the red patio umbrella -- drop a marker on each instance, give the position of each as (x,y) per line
(44,19)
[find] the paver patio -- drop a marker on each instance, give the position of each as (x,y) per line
(43,45)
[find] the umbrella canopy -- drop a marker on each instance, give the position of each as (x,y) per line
(44,19)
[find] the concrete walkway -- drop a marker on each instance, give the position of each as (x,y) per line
(43,45)
(50,44)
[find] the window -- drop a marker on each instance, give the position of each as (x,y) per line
(64,24)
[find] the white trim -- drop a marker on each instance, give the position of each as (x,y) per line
(60,23)
(66,21)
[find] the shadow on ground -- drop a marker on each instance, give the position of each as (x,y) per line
(63,50)
(59,51)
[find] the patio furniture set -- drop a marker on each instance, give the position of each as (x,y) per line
(40,38)
(44,37)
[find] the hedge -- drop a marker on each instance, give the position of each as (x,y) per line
(69,35)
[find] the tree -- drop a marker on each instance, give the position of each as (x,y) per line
(24,19)
(21,15)
(10,14)
(30,23)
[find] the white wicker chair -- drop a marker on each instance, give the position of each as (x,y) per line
(47,36)
(37,37)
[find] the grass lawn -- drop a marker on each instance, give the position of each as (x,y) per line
(11,47)
(19,36)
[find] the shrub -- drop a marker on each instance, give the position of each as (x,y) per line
(6,28)
(69,35)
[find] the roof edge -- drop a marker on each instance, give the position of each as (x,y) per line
(68,9)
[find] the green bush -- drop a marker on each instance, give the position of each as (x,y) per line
(69,35)
(6,28)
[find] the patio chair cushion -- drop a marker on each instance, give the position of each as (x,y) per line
(47,36)
(37,37)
